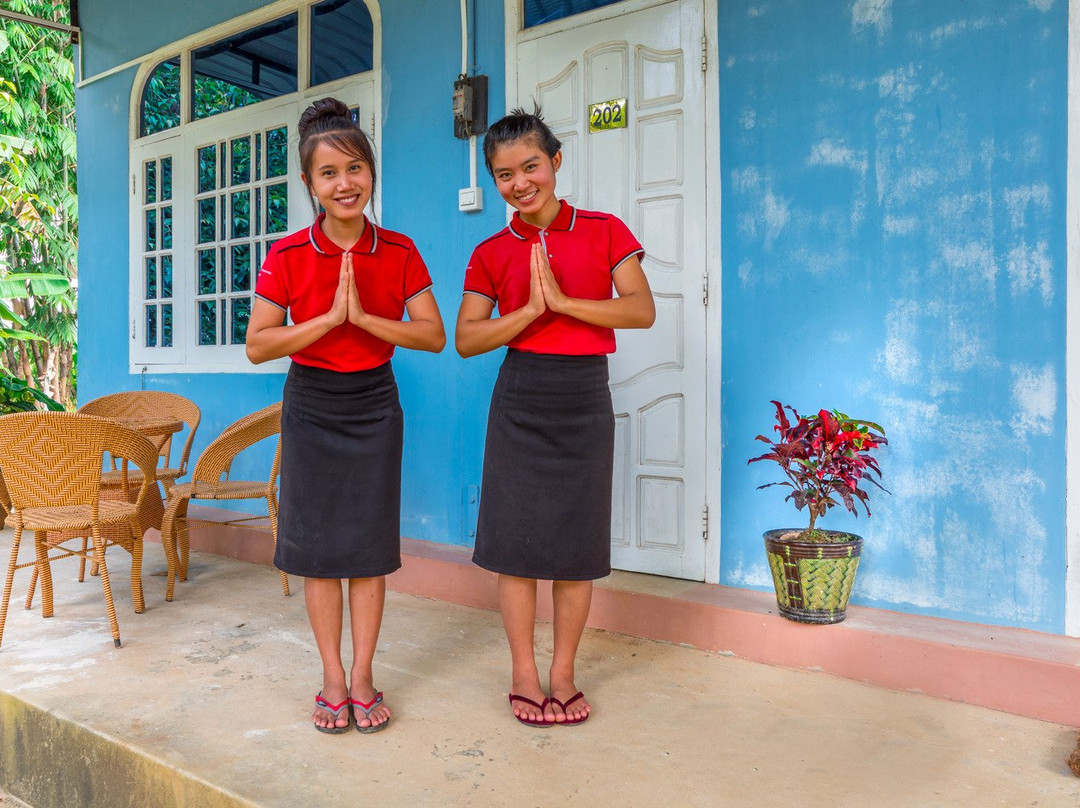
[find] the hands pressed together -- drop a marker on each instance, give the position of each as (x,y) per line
(544,291)
(346,305)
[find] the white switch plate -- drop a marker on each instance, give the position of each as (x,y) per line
(470,199)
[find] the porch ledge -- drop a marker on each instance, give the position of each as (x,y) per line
(1018,671)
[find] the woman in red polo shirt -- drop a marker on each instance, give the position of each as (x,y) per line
(545,506)
(346,285)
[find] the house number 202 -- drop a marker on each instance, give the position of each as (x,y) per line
(607,115)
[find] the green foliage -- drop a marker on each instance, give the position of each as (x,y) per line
(38,204)
(17,396)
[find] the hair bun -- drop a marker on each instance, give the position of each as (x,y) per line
(322,111)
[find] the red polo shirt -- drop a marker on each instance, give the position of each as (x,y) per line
(300,276)
(584,249)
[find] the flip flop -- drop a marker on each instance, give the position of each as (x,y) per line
(514,697)
(366,709)
(334,710)
(564,704)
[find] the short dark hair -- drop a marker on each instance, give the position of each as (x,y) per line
(520,125)
(330,121)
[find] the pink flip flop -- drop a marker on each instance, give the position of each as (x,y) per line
(514,697)
(562,705)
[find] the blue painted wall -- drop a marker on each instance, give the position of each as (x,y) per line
(893,245)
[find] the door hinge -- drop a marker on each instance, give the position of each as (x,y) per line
(705,289)
(133,185)
(704,54)
(705,523)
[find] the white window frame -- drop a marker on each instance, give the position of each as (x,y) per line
(182,144)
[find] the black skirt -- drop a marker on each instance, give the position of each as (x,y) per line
(545,504)
(340,504)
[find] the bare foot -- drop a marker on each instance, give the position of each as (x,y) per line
(323,718)
(537,713)
(569,704)
(364,694)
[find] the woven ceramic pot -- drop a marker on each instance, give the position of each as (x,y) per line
(813,579)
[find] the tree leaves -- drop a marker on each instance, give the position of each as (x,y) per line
(38,207)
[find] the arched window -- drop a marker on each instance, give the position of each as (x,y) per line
(161,98)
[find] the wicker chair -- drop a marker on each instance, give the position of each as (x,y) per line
(52,465)
(210,481)
(148,404)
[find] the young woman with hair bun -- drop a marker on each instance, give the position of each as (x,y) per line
(346,285)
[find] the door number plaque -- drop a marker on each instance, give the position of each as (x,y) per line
(605,115)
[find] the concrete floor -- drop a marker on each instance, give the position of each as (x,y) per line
(207,703)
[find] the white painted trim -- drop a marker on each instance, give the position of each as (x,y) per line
(1072,334)
(713,352)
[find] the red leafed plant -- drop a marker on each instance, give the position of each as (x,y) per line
(824,456)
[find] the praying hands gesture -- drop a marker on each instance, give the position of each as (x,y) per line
(269,337)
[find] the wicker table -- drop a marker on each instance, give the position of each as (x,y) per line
(158,430)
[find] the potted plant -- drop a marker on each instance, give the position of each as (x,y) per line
(826,458)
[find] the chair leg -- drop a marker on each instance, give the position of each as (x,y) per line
(182,542)
(33,586)
(137,599)
(10,577)
(175,516)
(44,571)
(271,507)
(99,561)
(82,561)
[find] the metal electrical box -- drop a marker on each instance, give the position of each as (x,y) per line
(470,106)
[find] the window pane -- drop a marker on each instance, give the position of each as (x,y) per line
(541,11)
(258,155)
(241,268)
(207,169)
(151,230)
(166,227)
(207,272)
(206,220)
(277,208)
(241,214)
(208,322)
(341,40)
(166,326)
(258,64)
(161,98)
(166,276)
(151,326)
(151,278)
(277,152)
(241,311)
(166,179)
(241,161)
(151,182)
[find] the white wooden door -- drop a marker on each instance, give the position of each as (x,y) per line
(652,175)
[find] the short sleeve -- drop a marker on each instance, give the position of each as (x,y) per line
(271,284)
(417,277)
(622,244)
(478,279)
